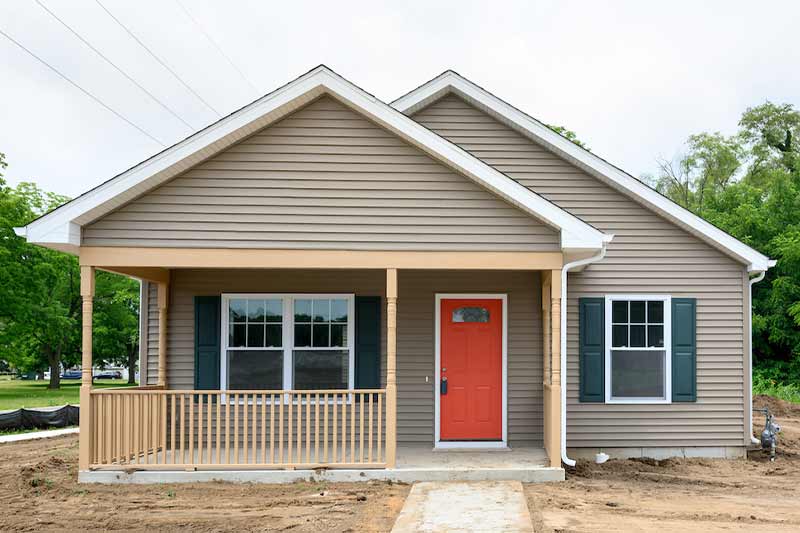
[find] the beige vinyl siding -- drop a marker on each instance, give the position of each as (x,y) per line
(649,255)
(415,332)
(151,329)
(325,178)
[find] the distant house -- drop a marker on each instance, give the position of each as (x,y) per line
(346,285)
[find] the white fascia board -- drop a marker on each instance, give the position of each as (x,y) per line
(452,82)
(61,225)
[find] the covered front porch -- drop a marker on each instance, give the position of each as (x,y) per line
(389,430)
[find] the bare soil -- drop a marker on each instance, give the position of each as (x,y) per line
(703,495)
(39,492)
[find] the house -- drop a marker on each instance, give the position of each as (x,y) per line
(337,285)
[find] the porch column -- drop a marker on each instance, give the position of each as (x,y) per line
(391,367)
(163,305)
(554,445)
(85,436)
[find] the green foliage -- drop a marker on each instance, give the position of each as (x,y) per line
(569,134)
(40,303)
(708,166)
(771,132)
(39,288)
(116,321)
(748,184)
(771,380)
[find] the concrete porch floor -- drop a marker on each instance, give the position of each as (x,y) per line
(414,463)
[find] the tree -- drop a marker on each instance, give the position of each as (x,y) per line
(708,165)
(771,133)
(39,289)
(116,321)
(40,302)
(749,185)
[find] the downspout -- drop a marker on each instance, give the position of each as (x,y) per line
(750,337)
(569,266)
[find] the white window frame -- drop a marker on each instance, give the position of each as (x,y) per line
(288,347)
(667,347)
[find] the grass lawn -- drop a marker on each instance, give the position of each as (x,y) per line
(16,393)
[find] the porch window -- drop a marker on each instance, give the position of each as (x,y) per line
(321,357)
(287,341)
(637,354)
(255,342)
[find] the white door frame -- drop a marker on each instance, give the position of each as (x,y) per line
(438,443)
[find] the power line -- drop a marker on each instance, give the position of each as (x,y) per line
(84,91)
(158,59)
(217,46)
(118,69)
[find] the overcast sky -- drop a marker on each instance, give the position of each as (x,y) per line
(632,78)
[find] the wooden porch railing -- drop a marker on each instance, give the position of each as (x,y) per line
(206,430)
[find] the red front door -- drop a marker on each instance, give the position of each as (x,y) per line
(472,365)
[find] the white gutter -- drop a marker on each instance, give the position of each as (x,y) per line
(569,266)
(753,281)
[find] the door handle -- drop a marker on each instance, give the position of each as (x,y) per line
(443,386)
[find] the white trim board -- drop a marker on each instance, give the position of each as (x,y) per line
(451,82)
(437,441)
(61,228)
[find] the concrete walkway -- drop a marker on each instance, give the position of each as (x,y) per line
(17,437)
(438,507)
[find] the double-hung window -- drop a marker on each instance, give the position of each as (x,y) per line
(287,341)
(638,355)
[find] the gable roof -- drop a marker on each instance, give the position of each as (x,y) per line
(61,228)
(450,82)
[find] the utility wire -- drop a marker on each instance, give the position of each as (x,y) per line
(84,91)
(216,45)
(158,59)
(118,69)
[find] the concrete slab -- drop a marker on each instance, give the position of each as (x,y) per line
(457,506)
(414,463)
(33,435)
(535,475)
(662,452)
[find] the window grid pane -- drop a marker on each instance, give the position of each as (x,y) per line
(321,323)
(247,319)
(642,315)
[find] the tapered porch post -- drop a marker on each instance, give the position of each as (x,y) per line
(85,438)
(391,367)
(163,308)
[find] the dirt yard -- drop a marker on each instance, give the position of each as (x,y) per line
(680,495)
(39,492)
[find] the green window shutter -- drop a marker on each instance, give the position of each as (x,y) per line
(368,342)
(206,342)
(684,350)
(592,367)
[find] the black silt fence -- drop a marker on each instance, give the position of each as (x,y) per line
(46,418)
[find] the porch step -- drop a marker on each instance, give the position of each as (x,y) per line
(435,507)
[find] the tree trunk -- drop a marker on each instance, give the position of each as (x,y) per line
(132,365)
(54,360)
